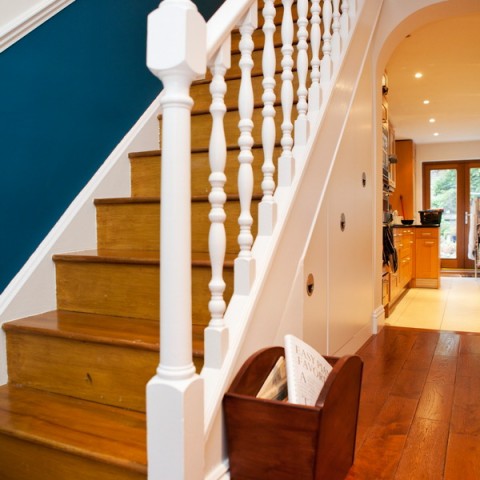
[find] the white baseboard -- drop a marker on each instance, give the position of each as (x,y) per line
(221,472)
(355,343)
(378,319)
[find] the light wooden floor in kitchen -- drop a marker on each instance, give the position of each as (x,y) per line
(420,406)
(454,306)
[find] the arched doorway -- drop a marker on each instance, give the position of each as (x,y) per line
(398,22)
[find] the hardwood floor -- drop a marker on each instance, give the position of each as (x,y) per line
(420,406)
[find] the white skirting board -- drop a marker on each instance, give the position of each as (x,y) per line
(355,343)
(378,319)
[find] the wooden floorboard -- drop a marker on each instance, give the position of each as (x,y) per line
(420,406)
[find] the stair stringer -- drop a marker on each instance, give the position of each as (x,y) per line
(262,318)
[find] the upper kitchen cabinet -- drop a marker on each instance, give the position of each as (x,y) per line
(388,151)
(403,198)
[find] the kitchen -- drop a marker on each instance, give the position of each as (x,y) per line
(427,126)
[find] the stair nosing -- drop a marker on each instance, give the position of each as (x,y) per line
(16,326)
(157,200)
(145,153)
(256,106)
(120,257)
(155,153)
(101,339)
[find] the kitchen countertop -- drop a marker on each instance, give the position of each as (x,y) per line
(416,225)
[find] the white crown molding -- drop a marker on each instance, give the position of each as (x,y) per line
(29,20)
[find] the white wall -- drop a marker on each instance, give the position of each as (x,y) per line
(441,152)
(11,10)
(337,317)
(19,17)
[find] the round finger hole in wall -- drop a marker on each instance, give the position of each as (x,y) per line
(343,222)
(310,284)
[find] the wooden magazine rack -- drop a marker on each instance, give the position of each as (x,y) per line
(269,439)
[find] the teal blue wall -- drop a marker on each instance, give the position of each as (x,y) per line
(69,92)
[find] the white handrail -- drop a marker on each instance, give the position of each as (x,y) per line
(224,21)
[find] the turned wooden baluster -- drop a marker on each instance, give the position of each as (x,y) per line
(352,11)
(267,212)
(314,97)
(244,263)
(345,21)
(286,165)
(336,40)
(301,124)
(326,62)
(216,334)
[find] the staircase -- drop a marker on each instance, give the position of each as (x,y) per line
(74,407)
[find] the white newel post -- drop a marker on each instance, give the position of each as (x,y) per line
(244,270)
(216,334)
(286,165)
(267,210)
(175,412)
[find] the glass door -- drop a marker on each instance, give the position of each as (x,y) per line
(451,186)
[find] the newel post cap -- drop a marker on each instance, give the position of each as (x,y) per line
(177,39)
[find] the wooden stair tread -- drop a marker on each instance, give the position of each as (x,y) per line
(144,257)
(157,200)
(136,333)
(145,153)
(109,434)
(157,153)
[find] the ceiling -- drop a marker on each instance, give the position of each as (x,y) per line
(447,53)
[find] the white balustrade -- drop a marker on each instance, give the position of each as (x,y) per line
(336,39)
(177,55)
(301,124)
(267,212)
(286,165)
(244,272)
(326,62)
(345,21)
(175,440)
(216,334)
(314,93)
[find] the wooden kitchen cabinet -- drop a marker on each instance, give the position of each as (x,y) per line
(418,250)
(405,179)
(427,252)
(403,239)
(385,289)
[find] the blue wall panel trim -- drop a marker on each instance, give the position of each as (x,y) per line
(69,92)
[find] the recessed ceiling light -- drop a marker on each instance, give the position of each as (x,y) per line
(426,102)
(436,134)
(418,75)
(431,120)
